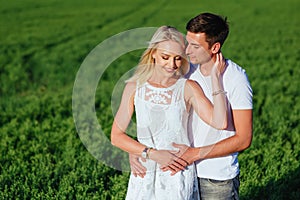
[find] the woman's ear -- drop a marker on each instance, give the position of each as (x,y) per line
(216,47)
(153,55)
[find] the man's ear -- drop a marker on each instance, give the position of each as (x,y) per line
(216,47)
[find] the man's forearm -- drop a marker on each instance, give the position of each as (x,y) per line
(220,149)
(239,142)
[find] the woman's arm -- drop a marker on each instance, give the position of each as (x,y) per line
(216,114)
(119,138)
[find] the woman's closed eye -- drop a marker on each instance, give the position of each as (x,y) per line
(178,58)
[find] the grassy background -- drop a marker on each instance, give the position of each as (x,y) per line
(43,44)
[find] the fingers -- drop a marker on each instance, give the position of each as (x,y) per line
(175,166)
(182,148)
(169,168)
(221,56)
(176,145)
(223,63)
(136,167)
(136,171)
(217,58)
(175,152)
(220,60)
(182,162)
(179,162)
(220,63)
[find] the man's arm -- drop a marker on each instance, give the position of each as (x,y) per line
(239,142)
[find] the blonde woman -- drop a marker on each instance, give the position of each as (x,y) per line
(161,99)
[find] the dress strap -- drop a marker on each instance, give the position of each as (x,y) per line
(140,90)
(178,93)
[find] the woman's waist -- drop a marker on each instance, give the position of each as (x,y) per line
(164,144)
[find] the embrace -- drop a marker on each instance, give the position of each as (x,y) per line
(194,114)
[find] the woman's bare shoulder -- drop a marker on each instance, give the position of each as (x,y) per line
(192,84)
(130,86)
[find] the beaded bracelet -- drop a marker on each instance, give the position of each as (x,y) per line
(218,92)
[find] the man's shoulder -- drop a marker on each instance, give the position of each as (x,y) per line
(236,81)
(234,71)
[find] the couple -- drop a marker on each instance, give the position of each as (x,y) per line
(177,124)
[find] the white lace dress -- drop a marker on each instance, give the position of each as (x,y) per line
(162,119)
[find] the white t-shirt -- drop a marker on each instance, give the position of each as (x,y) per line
(239,95)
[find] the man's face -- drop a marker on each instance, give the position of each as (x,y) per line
(197,48)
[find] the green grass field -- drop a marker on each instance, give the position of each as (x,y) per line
(43,44)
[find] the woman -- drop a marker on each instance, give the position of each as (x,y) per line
(162,99)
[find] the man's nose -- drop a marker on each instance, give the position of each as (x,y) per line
(187,50)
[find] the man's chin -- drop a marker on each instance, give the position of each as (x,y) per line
(194,62)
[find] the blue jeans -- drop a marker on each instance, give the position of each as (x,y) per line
(219,190)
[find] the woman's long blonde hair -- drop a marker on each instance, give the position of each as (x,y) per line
(146,64)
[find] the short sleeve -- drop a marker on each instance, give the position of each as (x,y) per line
(240,97)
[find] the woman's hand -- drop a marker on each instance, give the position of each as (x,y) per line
(136,167)
(219,66)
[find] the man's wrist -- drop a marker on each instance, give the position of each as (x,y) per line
(197,154)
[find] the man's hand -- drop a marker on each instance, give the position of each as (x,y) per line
(186,153)
(189,154)
(137,168)
(167,158)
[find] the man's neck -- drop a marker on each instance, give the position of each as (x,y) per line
(206,68)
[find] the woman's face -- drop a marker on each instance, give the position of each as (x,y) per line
(168,57)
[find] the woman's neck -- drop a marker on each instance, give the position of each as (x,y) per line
(162,81)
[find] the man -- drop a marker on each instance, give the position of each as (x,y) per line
(215,151)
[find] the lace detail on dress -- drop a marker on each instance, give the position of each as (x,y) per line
(161,120)
(158,97)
